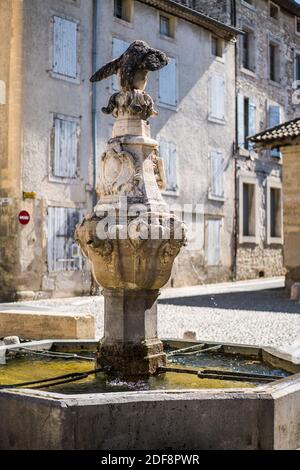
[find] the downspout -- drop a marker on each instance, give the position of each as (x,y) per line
(94,98)
(235,151)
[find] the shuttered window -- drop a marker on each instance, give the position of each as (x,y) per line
(118,48)
(168,84)
(65,148)
(217,174)
(217,97)
(63,252)
(273,120)
(168,154)
(213,237)
(65,47)
(246,112)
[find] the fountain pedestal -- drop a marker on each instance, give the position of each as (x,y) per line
(131,238)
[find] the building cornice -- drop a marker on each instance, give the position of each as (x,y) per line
(171,7)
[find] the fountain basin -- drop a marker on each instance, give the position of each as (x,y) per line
(261,417)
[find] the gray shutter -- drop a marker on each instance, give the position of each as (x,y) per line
(61,228)
(217,95)
(168,153)
(65,47)
(118,48)
(274,119)
(167,84)
(213,242)
(65,148)
(217,173)
(240,119)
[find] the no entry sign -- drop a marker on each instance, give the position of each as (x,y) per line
(24,217)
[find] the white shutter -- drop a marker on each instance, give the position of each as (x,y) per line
(65,47)
(213,242)
(217,173)
(240,119)
(118,48)
(61,227)
(217,97)
(168,153)
(167,84)
(274,119)
(65,148)
(252,121)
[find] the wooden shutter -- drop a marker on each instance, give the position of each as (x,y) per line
(65,47)
(217,95)
(61,227)
(167,84)
(65,148)
(118,48)
(217,173)
(240,119)
(252,121)
(213,242)
(274,119)
(168,153)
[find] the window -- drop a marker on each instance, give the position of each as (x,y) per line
(217,97)
(274,11)
(62,251)
(64,48)
(123,10)
(246,109)
(274,212)
(274,62)
(248,50)
(118,48)
(164,25)
(216,175)
(216,46)
(249,3)
(168,153)
(274,119)
(297,26)
(213,239)
(65,147)
(168,84)
(2,92)
(247,210)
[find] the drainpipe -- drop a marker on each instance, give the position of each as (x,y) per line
(235,151)
(94,98)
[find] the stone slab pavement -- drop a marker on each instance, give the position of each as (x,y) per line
(255,312)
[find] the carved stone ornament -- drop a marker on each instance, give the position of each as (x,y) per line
(131,250)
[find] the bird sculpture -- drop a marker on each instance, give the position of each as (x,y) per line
(132,68)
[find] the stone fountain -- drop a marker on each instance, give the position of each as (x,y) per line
(131,238)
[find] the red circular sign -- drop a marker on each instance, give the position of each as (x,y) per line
(24,217)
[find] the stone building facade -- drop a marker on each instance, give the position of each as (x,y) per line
(267,65)
(53,133)
(45,146)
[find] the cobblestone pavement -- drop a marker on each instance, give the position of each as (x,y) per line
(259,317)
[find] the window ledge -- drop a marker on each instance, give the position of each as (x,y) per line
(127,24)
(275,240)
(170,193)
(243,152)
(247,5)
(217,120)
(274,83)
(58,76)
(171,107)
(212,197)
(167,38)
(243,239)
(64,180)
(248,72)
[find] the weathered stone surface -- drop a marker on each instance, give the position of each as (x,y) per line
(131,238)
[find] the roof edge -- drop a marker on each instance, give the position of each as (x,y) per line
(200,19)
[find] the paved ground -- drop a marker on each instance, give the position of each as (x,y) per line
(250,312)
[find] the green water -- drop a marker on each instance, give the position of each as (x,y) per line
(25,368)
